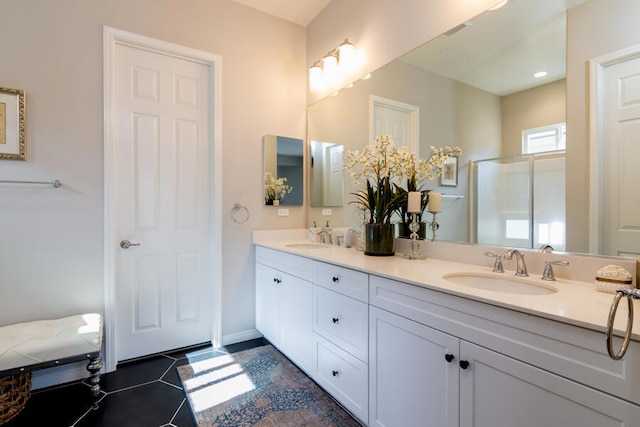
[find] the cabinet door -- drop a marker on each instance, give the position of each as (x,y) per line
(498,391)
(296,318)
(268,287)
(411,381)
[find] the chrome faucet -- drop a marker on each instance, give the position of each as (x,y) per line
(325,237)
(548,274)
(545,249)
(521,267)
(497,265)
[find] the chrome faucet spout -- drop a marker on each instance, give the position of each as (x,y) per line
(325,237)
(521,267)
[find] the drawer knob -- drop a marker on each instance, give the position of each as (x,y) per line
(335,279)
(335,373)
(335,320)
(449,357)
(276,280)
(464,364)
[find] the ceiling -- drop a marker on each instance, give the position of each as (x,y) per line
(298,11)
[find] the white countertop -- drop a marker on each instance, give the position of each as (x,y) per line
(577,303)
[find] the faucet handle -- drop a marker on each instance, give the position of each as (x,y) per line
(548,269)
(497,265)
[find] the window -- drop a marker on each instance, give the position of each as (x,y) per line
(546,138)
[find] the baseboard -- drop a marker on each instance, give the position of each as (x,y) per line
(241,336)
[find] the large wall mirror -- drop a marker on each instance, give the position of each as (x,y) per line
(474,87)
(283,171)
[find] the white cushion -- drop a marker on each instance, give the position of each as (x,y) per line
(29,343)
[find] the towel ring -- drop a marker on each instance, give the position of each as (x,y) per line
(239,213)
(631,295)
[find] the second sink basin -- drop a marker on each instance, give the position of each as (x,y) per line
(509,285)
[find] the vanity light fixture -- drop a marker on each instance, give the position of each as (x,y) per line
(540,74)
(336,64)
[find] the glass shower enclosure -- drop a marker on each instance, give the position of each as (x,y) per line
(519,201)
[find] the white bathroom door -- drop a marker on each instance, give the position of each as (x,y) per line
(162,202)
(621,174)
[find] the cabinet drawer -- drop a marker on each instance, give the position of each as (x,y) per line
(293,264)
(342,375)
(354,284)
(341,319)
(570,351)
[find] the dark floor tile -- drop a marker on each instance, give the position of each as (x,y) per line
(150,405)
(133,373)
(184,418)
(55,407)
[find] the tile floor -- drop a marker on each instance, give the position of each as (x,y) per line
(141,393)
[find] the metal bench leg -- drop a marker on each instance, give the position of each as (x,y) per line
(95,364)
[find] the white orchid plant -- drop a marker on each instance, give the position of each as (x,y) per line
(275,188)
(384,166)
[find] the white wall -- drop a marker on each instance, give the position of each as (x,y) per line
(51,241)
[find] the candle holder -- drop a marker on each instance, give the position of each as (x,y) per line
(434,226)
(415,246)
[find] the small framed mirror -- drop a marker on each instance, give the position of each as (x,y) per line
(283,171)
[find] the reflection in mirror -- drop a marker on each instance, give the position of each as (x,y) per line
(283,171)
(474,89)
(327,174)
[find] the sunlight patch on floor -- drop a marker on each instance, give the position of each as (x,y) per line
(214,394)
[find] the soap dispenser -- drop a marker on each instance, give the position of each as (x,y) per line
(314,233)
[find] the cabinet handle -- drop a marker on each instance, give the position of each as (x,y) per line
(335,279)
(464,364)
(335,373)
(335,320)
(449,357)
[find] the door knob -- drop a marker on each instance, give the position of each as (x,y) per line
(125,244)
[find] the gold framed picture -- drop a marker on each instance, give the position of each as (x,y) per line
(449,176)
(13,144)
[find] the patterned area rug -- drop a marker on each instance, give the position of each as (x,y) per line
(257,387)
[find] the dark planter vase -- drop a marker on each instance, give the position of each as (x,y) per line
(404,232)
(379,239)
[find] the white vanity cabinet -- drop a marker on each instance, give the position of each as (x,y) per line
(414,373)
(341,335)
(283,303)
(437,359)
(497,390)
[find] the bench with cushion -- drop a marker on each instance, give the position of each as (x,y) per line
(29,346)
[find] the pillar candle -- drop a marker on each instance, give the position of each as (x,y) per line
(435,200)
(413,206)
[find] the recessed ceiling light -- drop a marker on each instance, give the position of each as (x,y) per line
(540,74)
(499,5)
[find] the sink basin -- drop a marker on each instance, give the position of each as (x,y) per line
(307,245)
(508,285)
